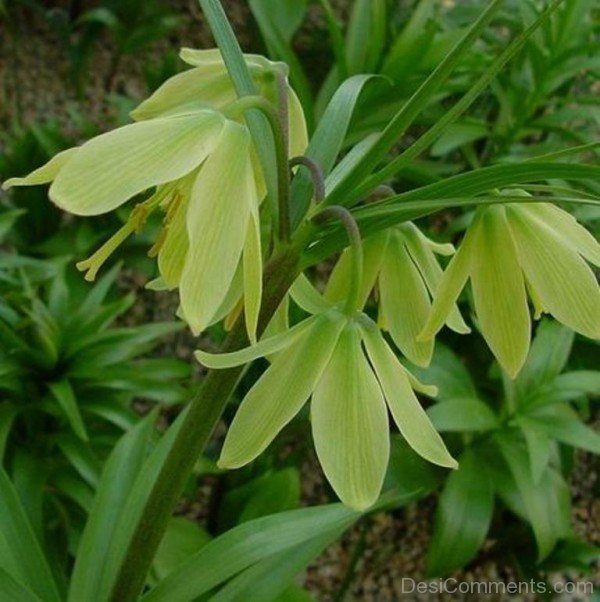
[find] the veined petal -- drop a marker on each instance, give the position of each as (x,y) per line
(281,391)
(499,292)
(280,321)
(350,424)
(451,284)
(404,302)
(212,58)
(267,346)
(339,282)
(217,225)
(566,227)
(306,296)
(410,417)
(172,254)
(422,254)
(297,125)
(252,259)
(187,92)
(233,298)
(419,386)
(111,168)
(44,174)
(565,284)
(173,250)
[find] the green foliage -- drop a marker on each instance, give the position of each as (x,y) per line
(511,439)
(68,377)
(448,109)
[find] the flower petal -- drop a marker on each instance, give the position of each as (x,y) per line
(297,125)
(451,284)
(404,302)
(252,259)
(111,168)
(566,227)
(188,92)
(306,296)
(264,347)
(44,174)
(217,225)
(350,424)
(280,392)
(421,253)
(373,251)
(565,284)
(173,251)
(499,292)
(410,417)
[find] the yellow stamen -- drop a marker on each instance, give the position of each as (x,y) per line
(93,263)
(160,241)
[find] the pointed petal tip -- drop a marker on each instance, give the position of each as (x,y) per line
(359,504)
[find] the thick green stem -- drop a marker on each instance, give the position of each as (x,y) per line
(203,414)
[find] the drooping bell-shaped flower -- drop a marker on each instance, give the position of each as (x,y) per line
(515,249)
(201,165)
(208,85)
(400,264)
(345,365)
(204,174)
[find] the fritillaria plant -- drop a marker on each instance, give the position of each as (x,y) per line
(249,205)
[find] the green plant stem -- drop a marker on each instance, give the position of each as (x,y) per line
(353,301)
(274,117)
(203,414)
(244,86)
(316,174)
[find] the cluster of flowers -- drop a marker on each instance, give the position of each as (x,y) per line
(203,173)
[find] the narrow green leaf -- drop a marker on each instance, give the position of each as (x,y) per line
(462,414)
(20,553)
(326,142)
(64,394)
(463,516)
(88,581)
(12,590)
(409,111)
(270,577)
(246,545)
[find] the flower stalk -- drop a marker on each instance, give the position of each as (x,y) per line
(353,301)
(204,412)
(278,123)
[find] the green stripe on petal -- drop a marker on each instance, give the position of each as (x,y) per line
(267,346)
(422,254)
(217,224)
(451,284)
(111,168)
(280,392)
(350,424)
(44,174)
(499,292)
(408,414)
(404,302)
(566,227)
(565,284)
